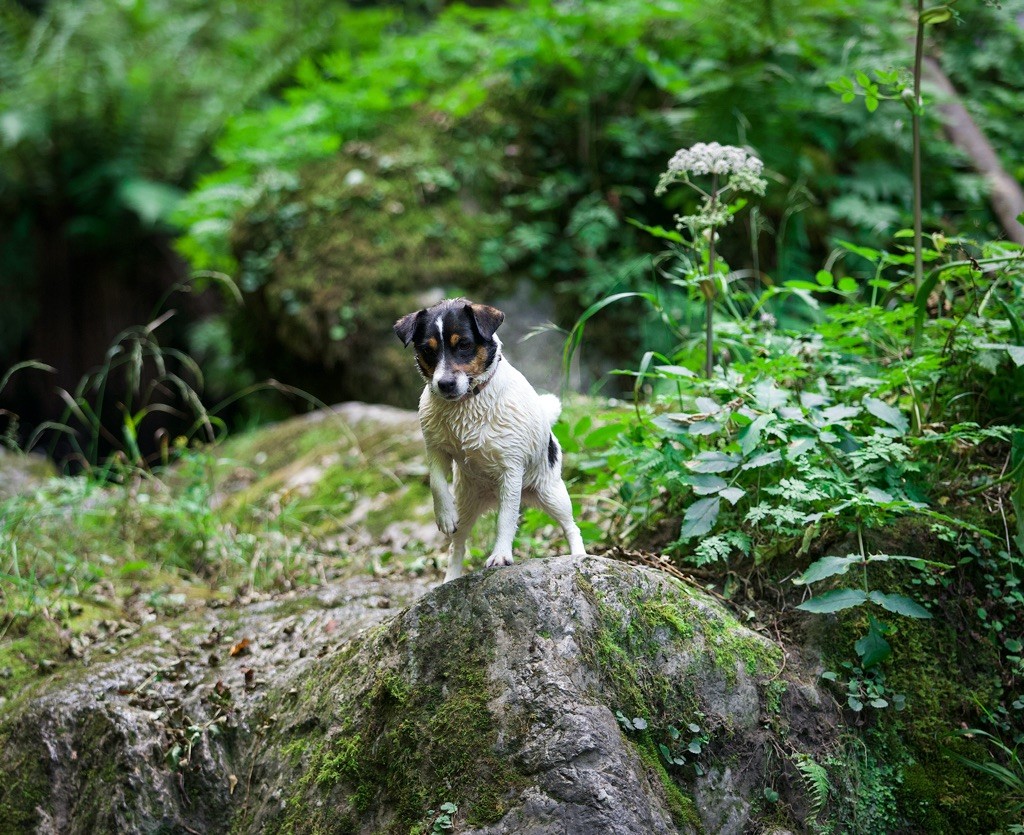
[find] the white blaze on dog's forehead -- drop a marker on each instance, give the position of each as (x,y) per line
(439,369)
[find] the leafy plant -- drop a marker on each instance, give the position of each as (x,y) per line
(816,781)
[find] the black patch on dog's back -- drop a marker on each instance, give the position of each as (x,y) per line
(552,451)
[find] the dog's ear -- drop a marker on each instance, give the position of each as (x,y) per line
(487,318)
(406,326)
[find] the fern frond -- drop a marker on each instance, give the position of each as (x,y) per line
(816,782)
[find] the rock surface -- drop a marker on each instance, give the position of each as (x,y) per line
(538,698)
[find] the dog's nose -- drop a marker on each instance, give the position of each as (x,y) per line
(446,387)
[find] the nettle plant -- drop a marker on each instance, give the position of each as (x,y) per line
(758,470)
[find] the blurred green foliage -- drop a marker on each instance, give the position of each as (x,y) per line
(107,112)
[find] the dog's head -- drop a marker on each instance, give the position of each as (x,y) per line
(456,349)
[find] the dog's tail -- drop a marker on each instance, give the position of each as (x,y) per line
(551,408)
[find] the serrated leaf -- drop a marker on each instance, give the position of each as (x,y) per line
(704,427)
(890,414)
(769,396)
(640,724)
(763,460)
(834,601)
(700,517)
(705,485)
(799,447)
(673,423)
(872,648)
(732,494)
(899,604)
(751,436)
(877,495)
(834,414)
(827,567)
(714,462)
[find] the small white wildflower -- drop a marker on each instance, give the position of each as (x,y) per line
(742,168)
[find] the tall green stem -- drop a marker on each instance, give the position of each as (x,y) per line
(709,292)
(916,124)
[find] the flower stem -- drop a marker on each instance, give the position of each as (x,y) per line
(709,293)
(916,125)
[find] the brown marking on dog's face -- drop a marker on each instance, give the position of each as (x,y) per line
(477,366)
(455,339)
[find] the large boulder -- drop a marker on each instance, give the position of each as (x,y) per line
(568,695)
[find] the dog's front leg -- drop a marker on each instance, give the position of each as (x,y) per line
(439,464)
(509,498)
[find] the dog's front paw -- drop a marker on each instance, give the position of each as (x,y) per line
(447,520)
(499,559)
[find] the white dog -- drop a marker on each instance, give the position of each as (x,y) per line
(481,414)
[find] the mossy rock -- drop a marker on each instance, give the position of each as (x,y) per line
(361,239)
(536,698)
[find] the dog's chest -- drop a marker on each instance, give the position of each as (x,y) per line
(484,435)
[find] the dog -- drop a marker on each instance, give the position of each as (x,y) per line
(480,414)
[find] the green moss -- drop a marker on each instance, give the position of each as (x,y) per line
(329,266)
(402,737)
(24,787)
(680,805)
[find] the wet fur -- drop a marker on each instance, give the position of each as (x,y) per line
(480,414)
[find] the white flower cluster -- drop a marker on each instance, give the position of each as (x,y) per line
(712,158)
(743,170)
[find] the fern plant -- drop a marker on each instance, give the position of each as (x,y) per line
(816,782)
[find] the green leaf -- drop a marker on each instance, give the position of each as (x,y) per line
(936,14)
(714,462)
(763,460)
(899,604)
(658,231)
(603,435)
(827,567)
(862,79)
(672,371)
(700,517)
(705,485)
(855,703)
(824,278)
(847,285)
(890,414)
(873,648)
(751,436)
(834,601)
(733,494)
(871,103)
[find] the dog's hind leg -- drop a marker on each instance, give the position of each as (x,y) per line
(553,499)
